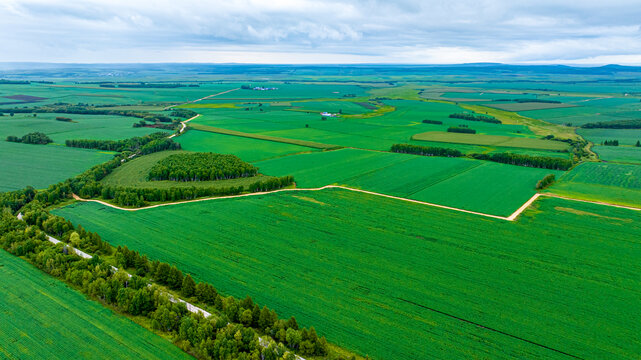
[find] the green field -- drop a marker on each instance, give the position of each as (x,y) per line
(406,281)
(624,154)
(625,136)
(492,140)
(42,165)
(592,110)
(134,174)
(101,127)
(474,185)
(245,148)
(42,318)
(617,183)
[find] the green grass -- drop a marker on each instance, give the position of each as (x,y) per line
(42,165)
(616,183)
(216,130)
(492,140)
(624,154)
(482,186)
(42,318)
(406,281)
(99,127)
(625,136)
(134,174)
(248,149)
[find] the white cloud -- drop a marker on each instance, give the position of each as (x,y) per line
(301,31)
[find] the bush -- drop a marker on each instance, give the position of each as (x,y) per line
(37,138)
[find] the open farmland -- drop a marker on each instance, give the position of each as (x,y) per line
(623,154)
(474,185)
(42,318)
(101,127)
(406,281)
(41,165)
(616,183)
(248,149)
(134,173)
(493,140)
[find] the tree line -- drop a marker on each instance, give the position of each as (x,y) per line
(472,117)
(531,101)
(36,138)
(615,124)
(201,167)
(610,143)
(435,122)
(462,130)
(132,144)
(545,182)
(425,150)
(542,162)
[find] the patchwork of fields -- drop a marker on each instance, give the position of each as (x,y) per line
(42,318)
(491,140)
(399,280)
(474,185)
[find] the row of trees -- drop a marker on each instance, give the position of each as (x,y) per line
(462,130)
(131,144)
(531,101)
(545,182)
(37,138)
(543,162)
(62,118)
(472,117)
(610,143)
(616,124)
(201,167)
(425,150)
(206,338)
(183,113)
(435,122)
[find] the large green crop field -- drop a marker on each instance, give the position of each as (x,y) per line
(42,165)
(245,148)
(407,281)
(474,185)
(42,318)
(617,183)
(491,140)
(101,127)
(623,154)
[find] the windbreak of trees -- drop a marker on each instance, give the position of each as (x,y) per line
(542,162)
(545,182)
(472,117)
(435,122)
(132,144)
(610,143)
(425,150)
(616,124)
(201,167)
(36,138)
(462,130)
(531,101)
(229,335)
(62,118)
(183,113)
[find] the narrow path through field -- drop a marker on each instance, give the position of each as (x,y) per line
(590,201)
(183,125)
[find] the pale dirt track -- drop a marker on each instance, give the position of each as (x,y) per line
(512,217)
(184,126)
(203,98)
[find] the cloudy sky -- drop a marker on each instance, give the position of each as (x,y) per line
(318,31)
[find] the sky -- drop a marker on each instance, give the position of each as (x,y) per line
(583,32)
